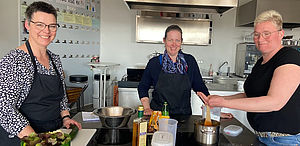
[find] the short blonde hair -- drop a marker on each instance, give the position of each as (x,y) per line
(270,15)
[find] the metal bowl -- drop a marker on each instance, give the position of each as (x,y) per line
(114,116)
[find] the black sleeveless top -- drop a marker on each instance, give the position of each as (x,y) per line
(287,119)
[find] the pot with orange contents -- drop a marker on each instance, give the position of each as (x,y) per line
(208,135)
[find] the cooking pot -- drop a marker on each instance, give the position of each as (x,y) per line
(208,135)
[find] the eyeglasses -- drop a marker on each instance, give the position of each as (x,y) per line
(265,34)
(42,26)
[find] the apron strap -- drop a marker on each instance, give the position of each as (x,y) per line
(33,60)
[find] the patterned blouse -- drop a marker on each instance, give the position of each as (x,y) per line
(16,78)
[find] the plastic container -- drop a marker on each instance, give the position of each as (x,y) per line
(233,130)
(215,113)
(240,85)
(168,125)
(162,138)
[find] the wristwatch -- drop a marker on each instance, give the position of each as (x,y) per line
(66,116)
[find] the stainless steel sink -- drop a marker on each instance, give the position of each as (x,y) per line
(222,83)
(221,87)
(225,80)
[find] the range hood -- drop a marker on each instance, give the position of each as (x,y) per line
(182,6)
(289,9)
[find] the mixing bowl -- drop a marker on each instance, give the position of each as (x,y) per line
(114,116)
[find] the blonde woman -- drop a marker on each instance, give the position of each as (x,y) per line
(272,92)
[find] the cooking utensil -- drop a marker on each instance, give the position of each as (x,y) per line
(114,116)
(207,121)
(207,135)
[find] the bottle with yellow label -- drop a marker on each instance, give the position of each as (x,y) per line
(139,132)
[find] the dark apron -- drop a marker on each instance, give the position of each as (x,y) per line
(42,105)
(174,89)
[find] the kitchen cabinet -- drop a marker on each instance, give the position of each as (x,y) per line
(129,97)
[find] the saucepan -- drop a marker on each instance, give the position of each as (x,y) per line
(208,135)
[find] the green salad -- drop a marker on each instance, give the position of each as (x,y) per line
(55,138)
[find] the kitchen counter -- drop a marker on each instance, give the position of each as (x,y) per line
(83,137)
(210,85)
(184,132)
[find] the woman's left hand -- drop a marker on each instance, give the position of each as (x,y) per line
(226,115)
(67,122)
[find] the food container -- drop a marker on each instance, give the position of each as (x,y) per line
(207,135)
(233,130)
(169,125)
(215,113)
(162,138)
(114,116)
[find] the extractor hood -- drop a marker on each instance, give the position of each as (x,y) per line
(182,6)
(289,9)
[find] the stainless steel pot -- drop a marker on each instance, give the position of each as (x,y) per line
(207,135)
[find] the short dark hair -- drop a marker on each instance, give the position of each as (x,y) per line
(39,6)
(173,27)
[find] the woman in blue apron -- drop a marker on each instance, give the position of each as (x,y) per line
(32,94)
(173,75)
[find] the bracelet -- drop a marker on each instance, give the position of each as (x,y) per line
(66,116)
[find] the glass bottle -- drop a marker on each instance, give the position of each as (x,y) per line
(210,71)
(165,110)
(139,132)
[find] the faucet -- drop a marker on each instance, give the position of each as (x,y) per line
(219,69)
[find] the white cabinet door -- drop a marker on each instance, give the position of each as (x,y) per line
(129,97)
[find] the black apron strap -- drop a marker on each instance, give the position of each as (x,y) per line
(33,60)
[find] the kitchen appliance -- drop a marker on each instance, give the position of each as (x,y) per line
(246,13)
(207,135)
(113,136)
(134,74)
(113,120)
(246,57)
(187,6)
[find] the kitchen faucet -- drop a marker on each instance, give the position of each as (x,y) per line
(219,69)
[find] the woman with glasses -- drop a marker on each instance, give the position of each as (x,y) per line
(272,92)
(32,93)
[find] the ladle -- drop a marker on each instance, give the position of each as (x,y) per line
(207,121)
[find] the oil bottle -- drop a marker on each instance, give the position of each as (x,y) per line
(165,111)
(139,132)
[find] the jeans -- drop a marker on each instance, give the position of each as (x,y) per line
(281,141)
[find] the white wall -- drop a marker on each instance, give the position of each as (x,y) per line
(9,26)
(118,39)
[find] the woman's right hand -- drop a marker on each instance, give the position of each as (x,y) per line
(146,105)
(26,131)
(147,111)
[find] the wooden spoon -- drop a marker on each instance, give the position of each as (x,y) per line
(207,121)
